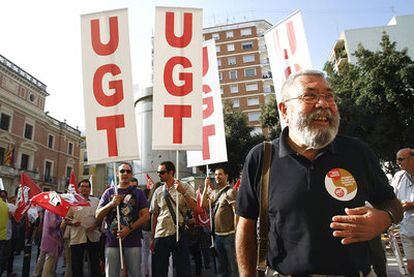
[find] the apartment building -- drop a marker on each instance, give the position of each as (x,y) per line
(399,29)
(31,140)
(244,70)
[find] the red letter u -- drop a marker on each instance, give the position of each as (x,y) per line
(112,45)
(172,39)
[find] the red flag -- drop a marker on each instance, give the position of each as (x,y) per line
(72,187)
(150,182)
(27,189)
(237,185)
(59,203)
(201,216)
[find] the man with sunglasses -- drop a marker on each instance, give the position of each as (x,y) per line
(163,210)
(403,183)
(133,209)
(319,186)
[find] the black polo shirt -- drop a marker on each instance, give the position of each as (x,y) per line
(304,196)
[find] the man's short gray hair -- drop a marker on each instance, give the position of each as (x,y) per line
(290,82)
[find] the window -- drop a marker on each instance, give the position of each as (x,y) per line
(230,47)
(216,36)
(85,170)
(256,131)
(218,62)
(28,131)
(68,171)
(231,60)
(85,156)
(247,45)
(248,58)
(232,74)
(221,90)
(218,48)
(70,148)
(253,116)
(5,121)
(235,103)
(2,155)
(253,101)
(48,171)
(32,97)
(250,72)
(220,76)
(24,162)
(234,88)
(246,32)
(229,34)
(50,141)
(251,87)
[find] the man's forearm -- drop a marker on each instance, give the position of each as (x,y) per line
(394,208)
(246,247)
(144,216)
(103,211)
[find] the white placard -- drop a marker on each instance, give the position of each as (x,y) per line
(177,94)
(111,133)
(288,50)
(214,138)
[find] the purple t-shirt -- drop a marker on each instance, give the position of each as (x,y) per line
(134,200)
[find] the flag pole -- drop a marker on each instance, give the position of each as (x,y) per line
(118,219)
(176,196)
(210,214)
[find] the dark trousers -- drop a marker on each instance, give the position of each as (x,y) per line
(180,252)
(78,252)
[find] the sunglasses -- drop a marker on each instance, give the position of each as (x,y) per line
(161,172)
(122,171)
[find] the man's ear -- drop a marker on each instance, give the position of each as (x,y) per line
(283,110)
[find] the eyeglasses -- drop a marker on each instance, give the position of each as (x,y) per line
(161,172)
(313,98)
(122,171)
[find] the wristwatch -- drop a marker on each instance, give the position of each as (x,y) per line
(391,215)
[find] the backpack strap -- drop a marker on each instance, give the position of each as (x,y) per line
(264,210)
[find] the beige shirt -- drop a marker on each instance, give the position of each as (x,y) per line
(224,217)
(165,224)
(86,217)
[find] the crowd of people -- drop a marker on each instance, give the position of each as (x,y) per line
(328,203)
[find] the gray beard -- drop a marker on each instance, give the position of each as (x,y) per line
(313,138)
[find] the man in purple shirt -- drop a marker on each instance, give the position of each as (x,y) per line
(133,207)
(51,246)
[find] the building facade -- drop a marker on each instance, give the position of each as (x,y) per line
(32,141)
(399,29)
(244,70)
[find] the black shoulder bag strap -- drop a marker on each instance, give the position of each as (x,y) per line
(264,207)
(167,198)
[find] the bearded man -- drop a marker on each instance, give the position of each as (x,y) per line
(320,184)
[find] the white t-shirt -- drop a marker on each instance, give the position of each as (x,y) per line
(404,190)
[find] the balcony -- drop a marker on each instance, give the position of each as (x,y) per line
(266,74)
(34,175)
(8,170)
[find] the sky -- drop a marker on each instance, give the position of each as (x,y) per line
(43,37)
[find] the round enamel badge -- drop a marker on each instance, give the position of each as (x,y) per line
(340,184)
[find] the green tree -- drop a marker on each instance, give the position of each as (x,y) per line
(239,141)
(269,117)
(376,98)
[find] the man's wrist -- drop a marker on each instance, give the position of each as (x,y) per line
(390,214)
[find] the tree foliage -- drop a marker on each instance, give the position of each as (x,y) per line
(269,117)
(238,139)
(376,98)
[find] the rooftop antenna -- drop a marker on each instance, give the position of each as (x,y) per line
(392,8)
